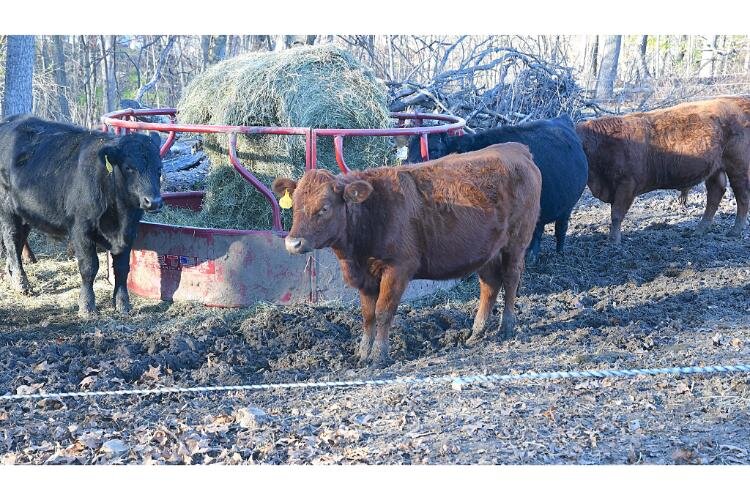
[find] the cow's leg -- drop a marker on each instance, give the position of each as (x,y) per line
(561,231)
(512,268)
(368,302)
(14,233)
(88,266)
(392,286)
(738,179)
(121,266)
(716,185)
(532,253)
(490,281)
(624,197)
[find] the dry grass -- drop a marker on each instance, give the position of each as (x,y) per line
(322,87)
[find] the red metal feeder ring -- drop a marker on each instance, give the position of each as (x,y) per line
(238,268)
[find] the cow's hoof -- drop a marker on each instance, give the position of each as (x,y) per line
(23,287)
(122,305)
(507,327)
(379,357)
(86,314)
(365,345)
(701,229)
(477,336)
(734,233)
(86,309)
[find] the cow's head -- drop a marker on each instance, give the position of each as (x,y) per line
(319,203)
(135,162)
(437,147)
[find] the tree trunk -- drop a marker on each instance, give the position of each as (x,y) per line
(205,45)
(642,63)
(44,52)
(708,57)
(279,43)
(61,77)
(85,77)
(595,57)
(257,42)
(605,82)
(19,75)
(181,61)
(109,96)
(220,49)
(689,62)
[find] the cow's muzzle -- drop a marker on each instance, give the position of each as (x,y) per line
(296,245)
(151,204)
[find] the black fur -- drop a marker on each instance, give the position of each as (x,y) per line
(54,178)
(557,151)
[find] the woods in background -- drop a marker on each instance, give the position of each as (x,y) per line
(488,80)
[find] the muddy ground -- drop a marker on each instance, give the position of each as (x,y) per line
(664,298)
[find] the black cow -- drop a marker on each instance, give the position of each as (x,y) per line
(68,181)
(557,151)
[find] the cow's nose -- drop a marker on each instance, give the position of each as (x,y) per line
(293,245)
(151,204)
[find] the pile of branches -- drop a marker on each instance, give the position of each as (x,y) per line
(494,87)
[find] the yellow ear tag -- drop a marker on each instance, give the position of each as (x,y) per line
(108,164)
(286,201)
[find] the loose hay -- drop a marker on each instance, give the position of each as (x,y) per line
(320,87)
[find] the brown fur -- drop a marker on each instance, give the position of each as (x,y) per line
(442,219)
(673,148)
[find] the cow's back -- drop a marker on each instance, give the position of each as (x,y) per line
(461,210)
(39,169)
(673,148)
(557,152)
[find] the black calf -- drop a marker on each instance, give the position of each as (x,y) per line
(88,185)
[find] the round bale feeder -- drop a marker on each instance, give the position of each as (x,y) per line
(239,268)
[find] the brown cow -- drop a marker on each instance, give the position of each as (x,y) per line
(441,219)
(673,148)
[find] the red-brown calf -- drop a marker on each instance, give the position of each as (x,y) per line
(672,148)
(442,219)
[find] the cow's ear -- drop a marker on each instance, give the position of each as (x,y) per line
(357,191)
(282,185)
(111,154)
(155,138)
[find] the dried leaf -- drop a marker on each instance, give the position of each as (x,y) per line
(41,367)
(153,373)
(114,447)
(86,382)
(682,456)
(28,389)
(250,417)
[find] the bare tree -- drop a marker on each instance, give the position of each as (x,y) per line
(61,77)
(642,63)
(595,56)
(19,75)
(708,56)
(109,75)
(157,71)
(220,49)
(605,82)
(205,46)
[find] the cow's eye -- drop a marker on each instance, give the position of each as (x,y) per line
(323,210)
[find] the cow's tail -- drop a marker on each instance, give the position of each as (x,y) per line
(684,196)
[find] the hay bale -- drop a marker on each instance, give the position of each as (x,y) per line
(320,87)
